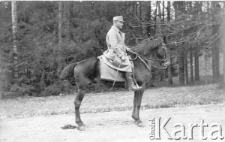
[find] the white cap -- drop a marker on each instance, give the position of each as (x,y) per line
(118,18)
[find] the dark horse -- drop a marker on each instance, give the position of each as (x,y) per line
(148,53)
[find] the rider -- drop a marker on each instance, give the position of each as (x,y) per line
(117,51)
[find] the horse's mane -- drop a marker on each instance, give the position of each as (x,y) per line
(147,45)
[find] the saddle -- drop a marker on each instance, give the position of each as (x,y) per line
(107,72)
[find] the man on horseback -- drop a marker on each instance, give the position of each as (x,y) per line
(116,52)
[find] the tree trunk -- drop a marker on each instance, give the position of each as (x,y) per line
(196,55)
(184,8)
(14,31)
(148,15)
(175,6)
(163,12)
(197,63)
(181,65)
(69,18)
(191,51)
(61,62)
(178,6)
(222,44)
(224,59)
(140,11)
(60,24)
(186,63)
(215,49)
(159,9)
(215,61)
(191,63)
(159,15)
(143,12)
(135,8)
(206,59)
(170,77)
(155,20)
(66,15)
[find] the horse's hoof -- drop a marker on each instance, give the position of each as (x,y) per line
(139,124)
(82,128)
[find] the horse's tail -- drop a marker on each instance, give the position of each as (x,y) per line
(68,71)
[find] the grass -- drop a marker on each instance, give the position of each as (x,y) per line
(162,97)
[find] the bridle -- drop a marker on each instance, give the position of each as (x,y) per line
(144,60)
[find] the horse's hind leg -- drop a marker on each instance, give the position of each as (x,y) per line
(136,107)
(77,104)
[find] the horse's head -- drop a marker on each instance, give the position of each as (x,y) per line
(162,52)
(155,50)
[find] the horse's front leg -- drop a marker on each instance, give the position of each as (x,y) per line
(77,104)
(136,107)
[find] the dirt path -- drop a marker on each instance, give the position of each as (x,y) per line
(109,126)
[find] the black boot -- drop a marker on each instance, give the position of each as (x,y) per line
(130,82)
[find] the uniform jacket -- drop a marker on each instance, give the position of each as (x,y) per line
(117,49)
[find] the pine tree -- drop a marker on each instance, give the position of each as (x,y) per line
(14,32)
(170,76)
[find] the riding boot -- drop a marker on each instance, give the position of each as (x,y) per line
(130,82)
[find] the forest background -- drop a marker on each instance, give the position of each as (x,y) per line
(38,39)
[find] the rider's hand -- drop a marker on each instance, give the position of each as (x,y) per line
(128,49)
(123,57)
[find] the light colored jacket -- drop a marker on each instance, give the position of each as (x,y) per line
(116,52)
(115,43)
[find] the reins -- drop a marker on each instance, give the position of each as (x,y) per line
(143,59)
(150,60)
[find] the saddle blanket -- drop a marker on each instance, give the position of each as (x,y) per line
(109,73)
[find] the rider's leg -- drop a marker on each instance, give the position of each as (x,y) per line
(130,82)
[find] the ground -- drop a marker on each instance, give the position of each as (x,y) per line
(108,115)
(109,126)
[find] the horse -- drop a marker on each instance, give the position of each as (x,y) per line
(87,72)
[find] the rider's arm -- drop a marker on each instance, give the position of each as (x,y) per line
(112,42)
